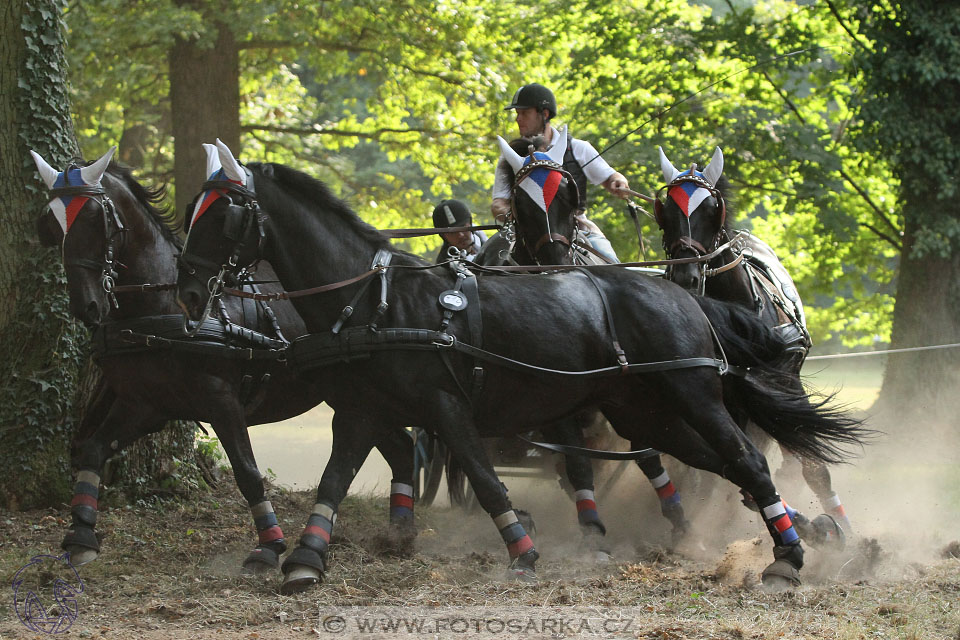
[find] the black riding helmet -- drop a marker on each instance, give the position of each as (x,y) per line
(534,96)
(451,213)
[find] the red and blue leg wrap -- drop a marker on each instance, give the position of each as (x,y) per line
(513,534)
(834,507)
(83,506)
(268,529)
(586,507)
(779,523)
(668,494)
(316,535)
(401,502)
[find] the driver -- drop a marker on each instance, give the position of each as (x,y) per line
(536,106)
(455,213)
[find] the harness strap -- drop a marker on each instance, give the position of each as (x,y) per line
(597,454)
(621,355)
(380,261)
(317,349)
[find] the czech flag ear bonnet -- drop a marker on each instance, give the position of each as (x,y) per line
(690,194)
(65,208)
(540,184)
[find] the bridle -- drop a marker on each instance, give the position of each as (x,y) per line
(549,236)
(687,242)
(113,228)
(237,224)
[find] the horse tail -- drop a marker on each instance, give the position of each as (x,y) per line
(812,426)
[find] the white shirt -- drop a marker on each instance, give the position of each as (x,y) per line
(597,172)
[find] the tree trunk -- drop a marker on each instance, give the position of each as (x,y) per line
(927,312)
(47,381)
(204,104)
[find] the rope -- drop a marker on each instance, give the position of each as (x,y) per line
(884,352)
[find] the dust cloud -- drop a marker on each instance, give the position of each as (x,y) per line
(902,496)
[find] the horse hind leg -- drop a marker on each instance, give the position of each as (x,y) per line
(671,505)
(397,448)
(579,473)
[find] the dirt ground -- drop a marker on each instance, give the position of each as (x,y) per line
(171,570)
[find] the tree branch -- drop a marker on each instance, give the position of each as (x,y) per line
(373,134)
(883,236)
(846,176)
(843,25)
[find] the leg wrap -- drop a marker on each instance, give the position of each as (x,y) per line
(832,505)
(316,535)
(268,529)
(670,505)
(587,514)
(778,522)
(401,503)
(513,534)
(303,556)
(83,506)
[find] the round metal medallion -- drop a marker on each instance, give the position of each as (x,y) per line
(453,300)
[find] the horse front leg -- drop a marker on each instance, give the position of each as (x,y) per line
(123,424)
(354,435)
(230,424)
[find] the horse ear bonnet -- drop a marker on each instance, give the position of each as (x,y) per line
(451,213)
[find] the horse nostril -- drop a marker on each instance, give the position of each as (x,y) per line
(91,315)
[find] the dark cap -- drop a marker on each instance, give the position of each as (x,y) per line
(534,96)
(451,213)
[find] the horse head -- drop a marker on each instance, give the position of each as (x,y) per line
(543,201)
(229,208)
(81,218)
(111,232)
(692,216)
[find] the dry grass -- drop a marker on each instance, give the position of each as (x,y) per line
(172,571)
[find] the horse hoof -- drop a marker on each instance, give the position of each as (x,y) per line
(831,535)
(261,560)
(780,576)
(602,557)
(80,556)
(523,574)
(300,578)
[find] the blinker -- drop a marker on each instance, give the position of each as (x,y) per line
(233,222)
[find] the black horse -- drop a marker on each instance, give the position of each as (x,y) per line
(695,216)
(648,355)
(544,231)
(114,237)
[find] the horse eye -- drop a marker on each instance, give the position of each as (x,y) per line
(563,182)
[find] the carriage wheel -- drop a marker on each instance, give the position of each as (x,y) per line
(429,456)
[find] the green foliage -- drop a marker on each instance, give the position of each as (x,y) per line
(396,105)
(912,72)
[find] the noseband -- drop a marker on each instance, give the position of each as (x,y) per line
(549,236)
(113,228)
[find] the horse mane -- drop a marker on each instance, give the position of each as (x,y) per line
(152,199)
(309,189)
